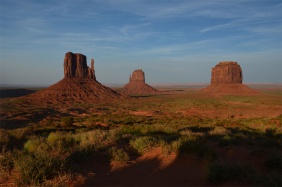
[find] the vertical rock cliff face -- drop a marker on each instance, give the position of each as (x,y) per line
(227,72)
(137,85)
(226,79)
(137,76)
(75,65)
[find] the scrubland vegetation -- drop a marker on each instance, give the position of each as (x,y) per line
(55,153)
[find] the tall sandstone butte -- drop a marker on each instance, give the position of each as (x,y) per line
(226,79)
(227,72)
(78,85)
(137,85)
(137,76)
(75,65)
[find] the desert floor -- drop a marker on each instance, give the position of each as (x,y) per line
(178,138)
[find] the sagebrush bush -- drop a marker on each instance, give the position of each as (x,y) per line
(143,144)
(36,145)
(20,134)
(219,131)
(118,155)
(67,121)
(4,137)
(6,164)
(219,172)
(171,147)
(95,139)
(61,141)
(35,168)
(197,146)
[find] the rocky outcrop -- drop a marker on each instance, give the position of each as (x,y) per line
(226,72)
(137,85)
(79,85)
(75,65)
(137,76)
(226,79)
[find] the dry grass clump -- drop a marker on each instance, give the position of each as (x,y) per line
(6,164)
(118,155)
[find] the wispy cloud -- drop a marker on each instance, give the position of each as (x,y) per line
(240,23)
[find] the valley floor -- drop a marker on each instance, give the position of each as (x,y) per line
(178,138)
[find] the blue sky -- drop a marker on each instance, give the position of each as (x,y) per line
(175,41)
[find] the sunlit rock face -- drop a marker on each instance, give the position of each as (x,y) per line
(137,76)
(226,72)
(75,65)
(137,85)
(226,79)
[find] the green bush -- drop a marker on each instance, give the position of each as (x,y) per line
(172,147)
(36,145)
(219,131)
(61,141)
(6,164)
(195,145)
(219,172)
(118,155)
(143,144)
(67,121)
(95,139)
(35,168)
(4,137)
(20,134)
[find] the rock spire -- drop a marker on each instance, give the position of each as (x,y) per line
(75,65)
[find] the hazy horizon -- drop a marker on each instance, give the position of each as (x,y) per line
(175,42)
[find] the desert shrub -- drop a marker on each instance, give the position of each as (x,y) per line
(219,131)
(95,139)
(274,163)
(118,155)
(170,147)
(20,134)
(132,130)
(270,132)
(67,121)
(35,168)
(219,172)
(197,146)
(6,164)
(59,181)
(61,141)
(4,137)
(143,144)
(227,140)
(36,145)
(49,122)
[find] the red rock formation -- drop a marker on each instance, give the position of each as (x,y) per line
(227,72)
(79,85)
(75,65)
(137,76)
(137,85)
(226,79)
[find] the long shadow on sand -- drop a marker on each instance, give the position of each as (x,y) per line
(151,169)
